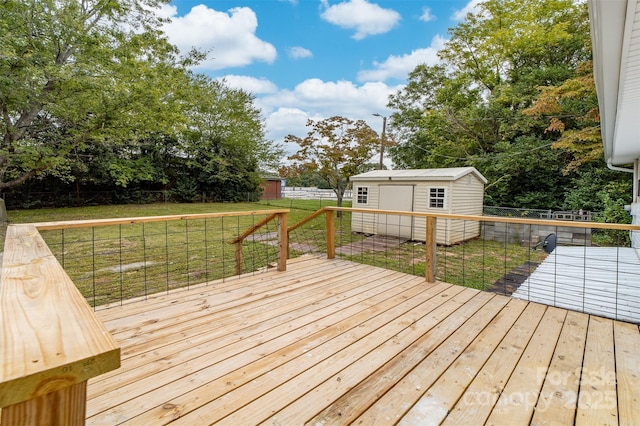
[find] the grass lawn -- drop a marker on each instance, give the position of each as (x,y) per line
(112,263)
(475,263)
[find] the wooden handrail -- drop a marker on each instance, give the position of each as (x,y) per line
(307,219)
(253,229)
(132,220)
(431,223)
(527,221)
(283,240)
(51,342)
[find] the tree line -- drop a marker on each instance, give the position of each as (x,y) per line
(94,97)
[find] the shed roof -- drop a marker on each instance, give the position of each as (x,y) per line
(450,173)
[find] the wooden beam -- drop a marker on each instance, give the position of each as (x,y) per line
(430,250)
(331,235)
(50,338)
(131,220)
(547,222)
(308,219)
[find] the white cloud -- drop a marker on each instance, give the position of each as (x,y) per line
(288,121)
(298,52)
(400,66)
(365,18)
(459,15)
(287,111)
(333,98)
(426,15)
(167,11)
(257,86)
(228,37)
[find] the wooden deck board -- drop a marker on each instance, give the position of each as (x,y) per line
(558,397)
(334,342)
(435,405)
(597,396)
(479,399)
(237,338)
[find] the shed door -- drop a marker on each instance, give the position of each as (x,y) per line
(395,197)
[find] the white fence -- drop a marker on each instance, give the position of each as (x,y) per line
(312,193)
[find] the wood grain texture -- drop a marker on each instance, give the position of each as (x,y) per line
(50,338)
(66,406)
(334,342)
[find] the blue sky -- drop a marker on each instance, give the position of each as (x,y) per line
(312,59)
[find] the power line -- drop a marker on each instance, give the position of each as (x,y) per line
(497,155)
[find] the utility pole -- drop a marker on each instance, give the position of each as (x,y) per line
(382,138)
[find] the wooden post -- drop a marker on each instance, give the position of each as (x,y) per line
(283,242)
(239,257)
(66,406)
(430,246)
(331,235)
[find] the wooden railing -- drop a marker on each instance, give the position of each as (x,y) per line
(431,225)
(283,241)
(51,342)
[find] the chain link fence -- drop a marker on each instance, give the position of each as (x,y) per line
(574,215)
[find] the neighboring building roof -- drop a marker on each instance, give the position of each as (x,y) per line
(451,173)
(615,35)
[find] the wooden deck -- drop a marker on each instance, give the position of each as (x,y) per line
(334,342)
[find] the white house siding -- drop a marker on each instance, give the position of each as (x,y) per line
(597,280)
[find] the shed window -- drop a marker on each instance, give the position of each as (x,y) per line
(436,198)
(362,195)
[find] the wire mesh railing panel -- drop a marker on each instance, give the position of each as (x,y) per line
(115,263)
(380,240)
(585,267)
(577,267)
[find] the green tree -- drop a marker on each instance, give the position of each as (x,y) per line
(75,73)
(225,147)
(337,148)
(470,112)
(571,109)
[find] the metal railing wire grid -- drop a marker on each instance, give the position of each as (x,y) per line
(592,270)
(582,273)
(116,263)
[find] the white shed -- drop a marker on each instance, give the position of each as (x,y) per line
(457,190)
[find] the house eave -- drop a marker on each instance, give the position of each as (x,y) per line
(615,34)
